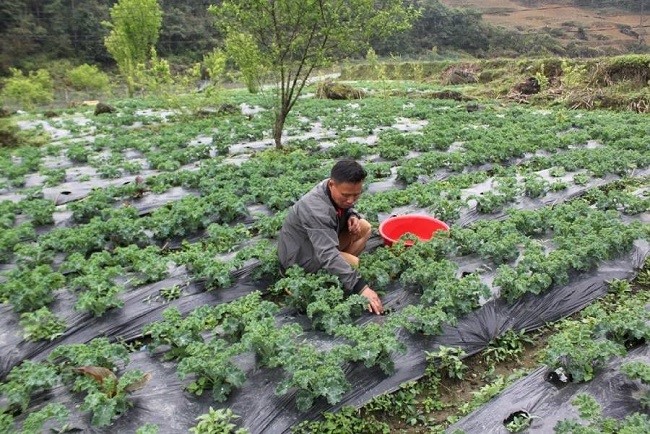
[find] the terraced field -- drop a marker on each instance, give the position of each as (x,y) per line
(601,28)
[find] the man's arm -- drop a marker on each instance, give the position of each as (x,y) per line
(325,242)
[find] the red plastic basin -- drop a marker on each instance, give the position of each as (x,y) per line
(422,226)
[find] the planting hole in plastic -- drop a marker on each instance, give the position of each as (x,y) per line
(627,339)
(559,378)
(517,421)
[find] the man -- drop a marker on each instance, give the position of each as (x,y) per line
(323,231)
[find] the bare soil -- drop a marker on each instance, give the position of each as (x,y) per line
(454,392)
(602,27)
(457,392)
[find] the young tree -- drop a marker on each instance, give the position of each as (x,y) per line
(135,28)
(295,36)
(245,53)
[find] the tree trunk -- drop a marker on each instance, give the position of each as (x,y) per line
(130,86)
(278,126)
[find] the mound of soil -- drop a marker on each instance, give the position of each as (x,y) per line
(333,90)
(102,108)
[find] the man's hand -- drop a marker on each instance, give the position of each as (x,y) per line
(375,303)
(354,225)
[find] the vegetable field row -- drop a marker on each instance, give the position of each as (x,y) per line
(141,244)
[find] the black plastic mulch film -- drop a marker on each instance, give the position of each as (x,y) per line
(547,403)
(163,401)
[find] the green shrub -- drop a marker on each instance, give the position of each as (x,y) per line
(242,49)
(9,136)
(154,75)
(27,91)
(159,70)
(87,77)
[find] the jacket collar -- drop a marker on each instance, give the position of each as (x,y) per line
(339,211)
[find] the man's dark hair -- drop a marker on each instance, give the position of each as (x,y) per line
(348,171)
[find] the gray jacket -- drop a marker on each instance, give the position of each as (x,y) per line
(309,238)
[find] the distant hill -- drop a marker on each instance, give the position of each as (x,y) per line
(602,29)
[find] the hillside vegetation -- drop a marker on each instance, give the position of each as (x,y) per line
(33,34)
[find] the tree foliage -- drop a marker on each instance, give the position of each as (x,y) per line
(241,47)
(438,26)
(293,37)
(135,28)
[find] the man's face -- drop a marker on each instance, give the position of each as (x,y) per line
(345,194)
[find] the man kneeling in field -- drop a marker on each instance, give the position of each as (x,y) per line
(323,231)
